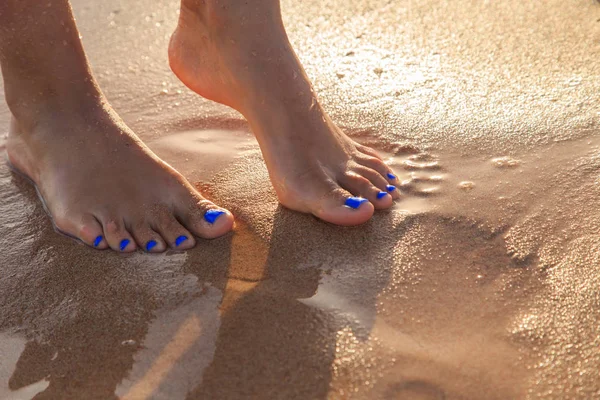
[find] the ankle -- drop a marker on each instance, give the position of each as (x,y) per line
(33,120)
(30,107)
(222,17)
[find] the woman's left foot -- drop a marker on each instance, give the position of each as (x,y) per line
(237,53)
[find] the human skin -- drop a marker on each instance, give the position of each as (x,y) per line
(237,52)
(102,185)
(99,182)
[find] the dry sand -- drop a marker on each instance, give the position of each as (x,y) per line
(483,283)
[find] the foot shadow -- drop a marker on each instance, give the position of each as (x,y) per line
(276,339)
(84,313)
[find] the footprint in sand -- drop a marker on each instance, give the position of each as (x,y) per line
(505,162)
(420,174)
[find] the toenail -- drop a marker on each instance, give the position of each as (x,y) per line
(390,188)
(212,215)
(123,244)
(150,245)
(391,176)
(354,202)
(381,195)
(180,240)
(97,241)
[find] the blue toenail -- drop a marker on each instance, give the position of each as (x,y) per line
(354,202)
(390,188)
(381,195)
(123,244)
(212,215)
(97,241)
(180,240)
(391,176)
(150,245)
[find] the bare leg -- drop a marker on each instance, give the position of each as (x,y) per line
(100,183)
(237,52)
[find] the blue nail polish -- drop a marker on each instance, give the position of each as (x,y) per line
(391,176)
(180,240)
(150,245)
(97,241)
(381,195)
(354,202)
(390,188)
(212,215)
(123,244)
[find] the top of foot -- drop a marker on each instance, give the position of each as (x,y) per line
(102,185)
(314,167)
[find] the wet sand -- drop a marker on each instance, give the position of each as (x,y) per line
(482,283)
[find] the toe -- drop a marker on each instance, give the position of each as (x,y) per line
(148,239)
(381,167)
(86,228)
(90,232)
(340,207)
(393,191)
(379,182)
(173,232)
(117,237)
(206,220)
(361,186)
(368,151)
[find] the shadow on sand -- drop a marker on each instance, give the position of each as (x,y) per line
(86,313)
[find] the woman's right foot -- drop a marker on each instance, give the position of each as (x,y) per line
(102,185)
(237,53)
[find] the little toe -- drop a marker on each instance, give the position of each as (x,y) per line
(91,233)
(360,185)
(173,232)
(369,151)
(207,220)
(86,228)
(148,239)
(381,167)
(340,207)
(117,237)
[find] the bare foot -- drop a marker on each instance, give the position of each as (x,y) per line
(102,185)
(98,181)
(237,53)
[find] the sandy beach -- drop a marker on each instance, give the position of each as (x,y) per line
(483,282)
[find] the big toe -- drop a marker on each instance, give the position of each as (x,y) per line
(340,207)
(206,220)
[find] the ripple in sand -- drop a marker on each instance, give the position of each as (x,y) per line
(505,162)
(418,179)
(427,191)
(414,177)
(412,165)
(422,157)
(466,185)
